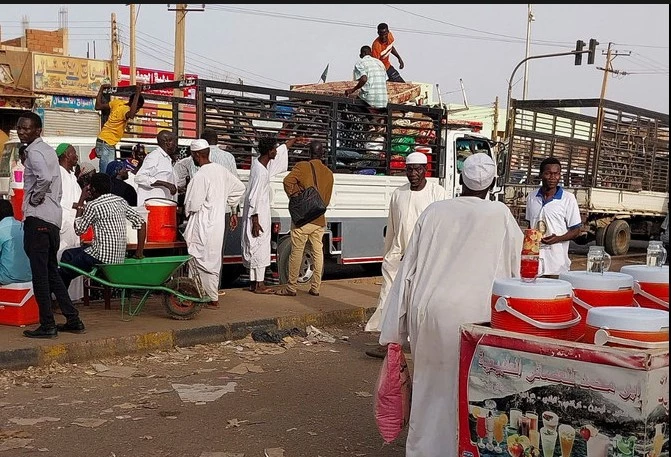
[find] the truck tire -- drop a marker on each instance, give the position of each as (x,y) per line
(600,236)
(307,265)
(618,235)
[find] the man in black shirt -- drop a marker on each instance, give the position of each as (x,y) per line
(118,173)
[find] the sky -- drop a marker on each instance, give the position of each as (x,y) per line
(279,45)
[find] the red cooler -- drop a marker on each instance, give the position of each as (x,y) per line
(651,285)
(161,220)
(18,305)
(542,308)
(628,327)
(595,289)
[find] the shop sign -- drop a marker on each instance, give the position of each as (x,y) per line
(151,76)
(69,75)
(16,102)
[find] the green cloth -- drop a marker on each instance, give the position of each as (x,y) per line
(60,150)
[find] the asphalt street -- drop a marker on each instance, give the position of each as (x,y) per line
(305,400)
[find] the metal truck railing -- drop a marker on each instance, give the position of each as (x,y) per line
(356,141)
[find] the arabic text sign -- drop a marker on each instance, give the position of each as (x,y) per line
(150,76)
(69,75)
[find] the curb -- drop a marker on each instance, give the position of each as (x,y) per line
(81,351)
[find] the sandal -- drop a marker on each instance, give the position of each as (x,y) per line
(285,292)
(265,291)
(212,305)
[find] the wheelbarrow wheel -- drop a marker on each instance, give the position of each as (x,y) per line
(177,307)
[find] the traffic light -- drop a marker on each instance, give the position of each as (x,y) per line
(592,50)
(579,46)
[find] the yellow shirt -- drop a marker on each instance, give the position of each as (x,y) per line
(113,130)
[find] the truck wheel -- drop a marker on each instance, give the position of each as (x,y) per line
(307,265)
(618,235)
(600,236)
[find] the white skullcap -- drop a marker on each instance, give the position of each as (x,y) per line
(479,171)
(416,158)
(199,145)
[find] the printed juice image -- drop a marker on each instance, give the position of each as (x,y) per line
(566,438)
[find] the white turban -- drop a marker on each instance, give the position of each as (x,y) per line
(199,145)
(479,171)
(416,158)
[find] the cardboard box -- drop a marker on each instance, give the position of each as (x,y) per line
(607,401)
(18,305)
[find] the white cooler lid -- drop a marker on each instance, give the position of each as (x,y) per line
(542,288)
(610,280)
(644,273)
(628,318)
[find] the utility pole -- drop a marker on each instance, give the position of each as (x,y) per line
(610,55)
(530,19)
(131,71)
(180,35)
(115,52)
(495,133)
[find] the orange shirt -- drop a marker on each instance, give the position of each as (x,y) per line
(383,51)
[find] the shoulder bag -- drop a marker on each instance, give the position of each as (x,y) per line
(307,205)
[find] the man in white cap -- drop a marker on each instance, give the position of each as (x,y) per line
(406,204)
(457,249)
(211,190)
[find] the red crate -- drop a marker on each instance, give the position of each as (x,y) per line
(18,305)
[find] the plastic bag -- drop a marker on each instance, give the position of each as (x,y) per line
(393,394)
(402,144)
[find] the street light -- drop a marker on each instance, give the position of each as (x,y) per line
(512,76)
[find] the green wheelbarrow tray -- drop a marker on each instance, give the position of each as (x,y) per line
(149,273)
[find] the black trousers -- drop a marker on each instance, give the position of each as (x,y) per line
(41,240)
(393,75)
(79,258)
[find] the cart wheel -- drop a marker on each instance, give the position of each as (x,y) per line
(178,308)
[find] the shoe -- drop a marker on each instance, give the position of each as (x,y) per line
(41,332)
(379,352)
(285,292)
(212,305)
(72,327)
(312,292)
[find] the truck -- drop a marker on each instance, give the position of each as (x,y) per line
(614,157)
(364,150)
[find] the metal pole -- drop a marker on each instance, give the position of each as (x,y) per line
(180,33)
(530,18)
(600,115)
(115,53)
(132,45)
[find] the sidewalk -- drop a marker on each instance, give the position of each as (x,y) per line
(108,335)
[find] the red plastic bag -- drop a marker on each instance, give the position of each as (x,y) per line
(393,394)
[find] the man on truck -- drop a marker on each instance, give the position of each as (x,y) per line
(556,215)
(383,47)
(120,112)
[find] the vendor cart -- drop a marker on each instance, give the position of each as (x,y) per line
(526,395)
(182,295)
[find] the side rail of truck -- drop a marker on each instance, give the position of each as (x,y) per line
(617,165)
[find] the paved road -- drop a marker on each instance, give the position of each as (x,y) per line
(309,400)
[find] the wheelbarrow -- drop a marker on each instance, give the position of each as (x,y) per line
(182,295)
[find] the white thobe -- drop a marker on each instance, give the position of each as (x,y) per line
(157,166)
(69,239)
(209,193)
(458,247)
(256,250)
(405,206)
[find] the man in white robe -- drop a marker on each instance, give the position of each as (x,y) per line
(156,178)
(211,190)
(406,204)
(67,159)
(272,160)
(457,249)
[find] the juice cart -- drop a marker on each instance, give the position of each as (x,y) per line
(527,395)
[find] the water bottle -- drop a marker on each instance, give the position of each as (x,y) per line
(656,255)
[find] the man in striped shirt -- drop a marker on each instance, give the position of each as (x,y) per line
(383,47)
(371,78)
(107,214)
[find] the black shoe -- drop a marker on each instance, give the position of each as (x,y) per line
(71,326)
(379,352)
(41,332)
